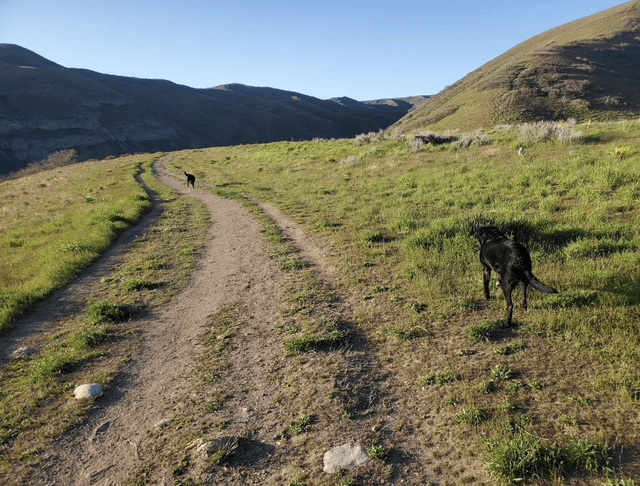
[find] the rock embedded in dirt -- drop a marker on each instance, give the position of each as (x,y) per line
(88,390)
(23,351)
(346,455)
(163,423)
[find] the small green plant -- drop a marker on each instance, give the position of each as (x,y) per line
(290,264)
(484,331)
(34,451)
(586,456)
(304,344)
(515,385)
(451,400)
(291,329)
(580,400)
(301,424)
(466,352)
(346,482)
(416,307)
(439,378)
(505,406)
(620,152)
(535,385)
(378,289)
(501,372)
(471,416)
(103,311)
(484,387)
(508,349)
(519,457)
(568,420)
(222,449)
(377,452)
(137,284)
(405,333)
(373,236)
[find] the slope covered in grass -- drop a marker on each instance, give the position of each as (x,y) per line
(397,219)
(56,222)
(585,68)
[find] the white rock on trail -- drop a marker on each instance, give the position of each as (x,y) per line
(346,455)
(88,390)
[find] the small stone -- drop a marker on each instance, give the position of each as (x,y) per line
(24,351)
(87,391)
(103,427)
(346,455)
(164,422)
(195,444)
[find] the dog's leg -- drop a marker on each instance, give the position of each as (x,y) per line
(486,275)
(523,286)
(507,288)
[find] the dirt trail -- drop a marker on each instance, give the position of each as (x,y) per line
(233,269)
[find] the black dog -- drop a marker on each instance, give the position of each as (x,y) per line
(511,261)
(191,179)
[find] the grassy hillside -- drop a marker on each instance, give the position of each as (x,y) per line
(397,219)
(586,68)
(53,223)
(56,222)
(554,397)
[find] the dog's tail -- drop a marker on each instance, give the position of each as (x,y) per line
(538,285)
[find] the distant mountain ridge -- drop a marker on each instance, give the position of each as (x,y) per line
(46,107)
(588,68)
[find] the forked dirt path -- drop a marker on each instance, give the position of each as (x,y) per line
(233,269)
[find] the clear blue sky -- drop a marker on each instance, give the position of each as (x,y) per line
(364,49)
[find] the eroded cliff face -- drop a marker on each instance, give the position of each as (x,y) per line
(33,138)
(49,108)
(45,107)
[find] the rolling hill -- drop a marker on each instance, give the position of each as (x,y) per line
(46,107)
(588,68)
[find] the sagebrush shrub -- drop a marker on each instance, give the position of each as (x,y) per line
(562,131)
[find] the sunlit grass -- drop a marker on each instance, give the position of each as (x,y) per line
(91,345)
(56,222)
(403,218)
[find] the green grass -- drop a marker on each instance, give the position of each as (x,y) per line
(520,457)
(396,218)
(92,344)
(56,222)
(301,424)
(403,220)
(427,231)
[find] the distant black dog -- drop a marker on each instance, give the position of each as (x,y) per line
(511,261)
(191,179)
